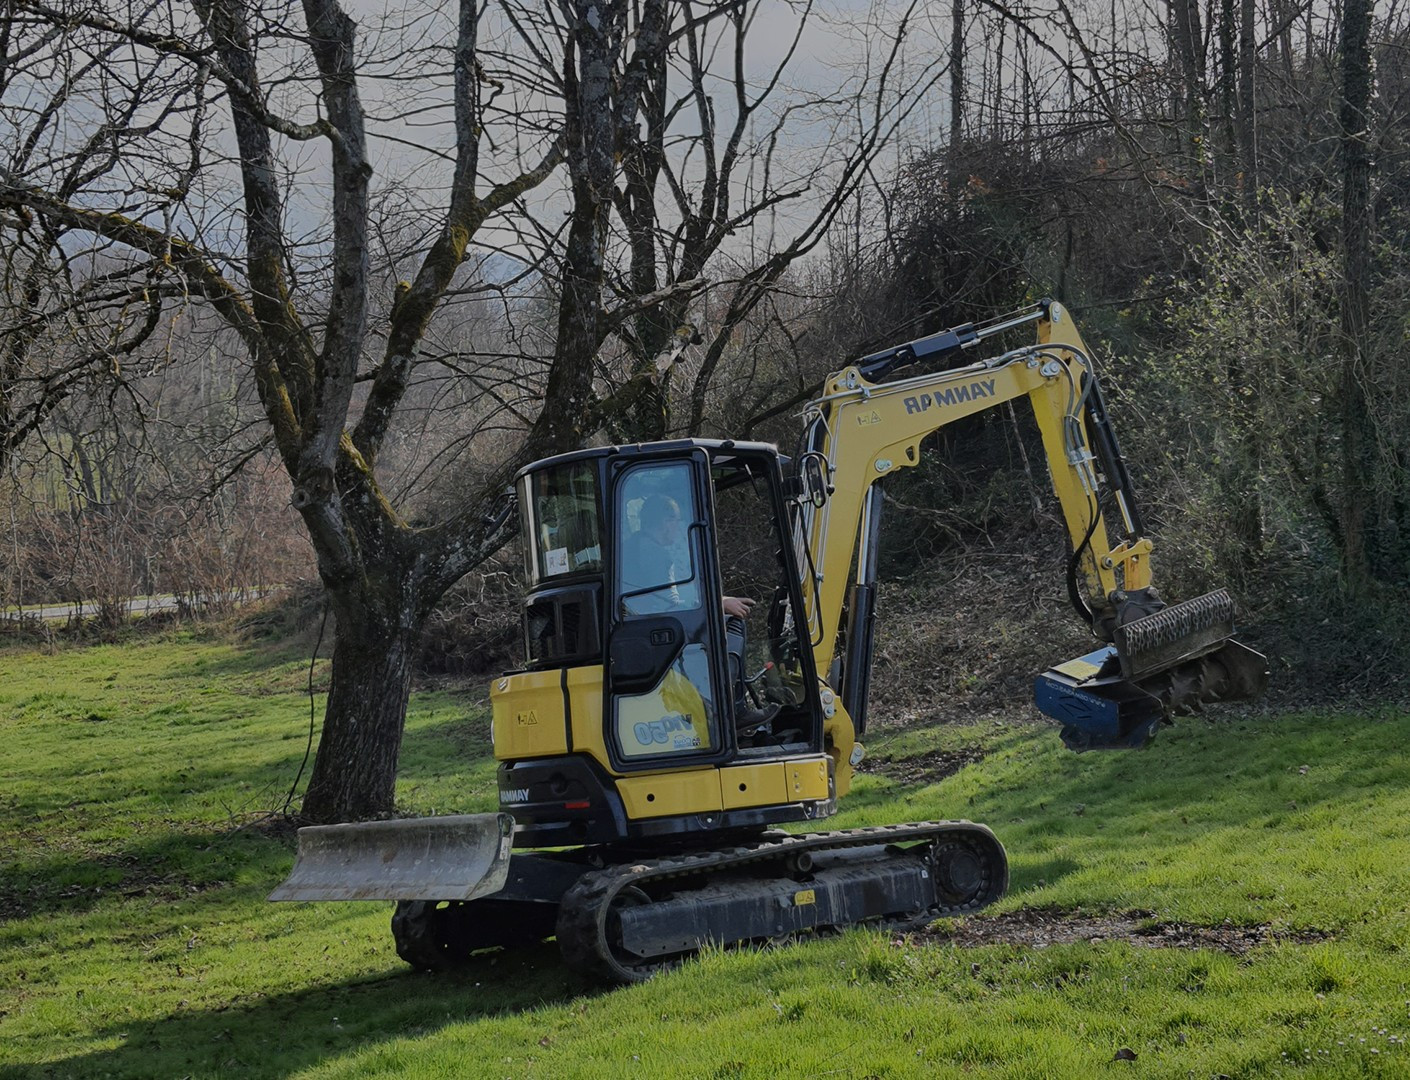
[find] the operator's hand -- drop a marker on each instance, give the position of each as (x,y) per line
(737,605)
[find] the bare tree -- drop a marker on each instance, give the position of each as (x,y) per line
(237,172)
(304,345)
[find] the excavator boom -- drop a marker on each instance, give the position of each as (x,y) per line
(1162,661)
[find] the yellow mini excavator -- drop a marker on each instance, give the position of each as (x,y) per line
(662,725)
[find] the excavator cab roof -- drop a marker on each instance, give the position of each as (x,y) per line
(724,453)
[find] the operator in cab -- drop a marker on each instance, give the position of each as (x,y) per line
(658,560)
(658,575)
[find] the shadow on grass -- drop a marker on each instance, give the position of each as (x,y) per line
(174,866)
(283,1034)
(1040,873)
(253,657)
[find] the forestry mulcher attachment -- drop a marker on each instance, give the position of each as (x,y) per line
(651,743)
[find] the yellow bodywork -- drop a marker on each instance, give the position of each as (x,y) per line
(874,429)
(731,787)
(528,719)
(531,721)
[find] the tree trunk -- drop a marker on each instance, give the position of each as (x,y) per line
(1359,526)
(956,91)
(568,415)
(1228,94)
(1247,127)
(1189,49)
(354,774)
(641,126)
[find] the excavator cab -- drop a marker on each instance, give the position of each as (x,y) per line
(643,710)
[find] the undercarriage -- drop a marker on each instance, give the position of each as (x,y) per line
(620,917)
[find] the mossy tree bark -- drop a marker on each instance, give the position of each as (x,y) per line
(354,774)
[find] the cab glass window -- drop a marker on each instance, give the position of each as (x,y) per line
(660,578)
(562,521)
(678,716)
(752,557)
(658,559)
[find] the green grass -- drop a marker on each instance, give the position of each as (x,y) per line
(135,940)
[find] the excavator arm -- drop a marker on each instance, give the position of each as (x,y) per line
(862,429)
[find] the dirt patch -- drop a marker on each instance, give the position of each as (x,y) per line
(1039,928)
(970,609)
(964,637)
(923,768)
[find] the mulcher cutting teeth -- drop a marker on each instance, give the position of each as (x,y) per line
(1162,665)
(1174,634)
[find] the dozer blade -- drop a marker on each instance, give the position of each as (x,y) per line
(459,857)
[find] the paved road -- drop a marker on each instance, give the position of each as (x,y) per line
(138,605)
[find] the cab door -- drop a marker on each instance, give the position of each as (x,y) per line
(665,684)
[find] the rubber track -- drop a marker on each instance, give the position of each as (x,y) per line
(583,913)
(414,932)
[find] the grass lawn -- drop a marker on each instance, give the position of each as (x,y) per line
(135,940)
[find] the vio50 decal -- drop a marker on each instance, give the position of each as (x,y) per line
(675,730)
(975,391)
